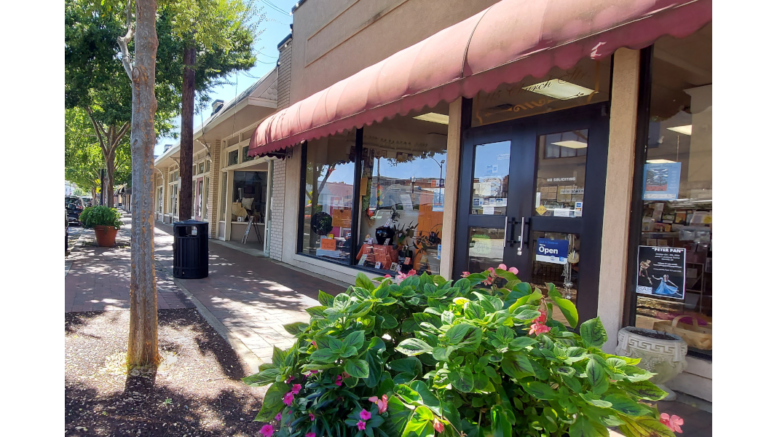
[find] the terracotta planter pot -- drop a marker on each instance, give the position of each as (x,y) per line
(106,235)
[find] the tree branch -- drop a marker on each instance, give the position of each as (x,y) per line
(98,129)
(119,136)
(124,42)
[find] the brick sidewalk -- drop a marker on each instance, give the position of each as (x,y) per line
(252,297)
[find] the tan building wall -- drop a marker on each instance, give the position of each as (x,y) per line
(335,39)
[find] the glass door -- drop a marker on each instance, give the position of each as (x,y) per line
(532,197)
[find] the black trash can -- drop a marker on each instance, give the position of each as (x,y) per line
(190,249)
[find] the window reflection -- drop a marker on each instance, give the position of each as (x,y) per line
(491,178)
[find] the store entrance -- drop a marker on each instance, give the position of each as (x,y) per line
(532,197)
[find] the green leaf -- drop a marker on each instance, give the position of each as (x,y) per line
(296,328)
(643,390)
(262,378)
(462,379)
(429,399)
(471,342)
(364,282)
(357,368)
(593,333)
(539,390)
(428,318)
(389,321)
(375,368)
(597,377)
(594,400)
(644,427)
(355,339)
(273,402)
(325,299)
(627,406)
(504,334)
(517,365)
(500,425)
(566,306)
(442,353)
(420,424)
(348,352)
(473,310)
(410,365)
(447,317)
(635,374)
(521,343)
(324,355)
(586,428)
(413,347)
(527,315)
(317,312)
(572,383)
(278,356)
(398,416)
(408,394)
(457,333)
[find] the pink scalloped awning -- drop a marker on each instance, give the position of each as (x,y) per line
(502,44)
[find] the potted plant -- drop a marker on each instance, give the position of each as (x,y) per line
(105,222)
(659,352)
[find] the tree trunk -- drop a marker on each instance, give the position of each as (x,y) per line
(187,132)
(143,347)
(110,168)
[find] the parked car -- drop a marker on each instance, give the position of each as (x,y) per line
(87,201)
(74,206)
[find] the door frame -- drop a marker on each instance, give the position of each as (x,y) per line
(593,117)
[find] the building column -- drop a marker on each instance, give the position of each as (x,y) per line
(617,196)
(451,190)
(213,188)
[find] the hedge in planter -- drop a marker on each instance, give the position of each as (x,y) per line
(100,216)
(429,356)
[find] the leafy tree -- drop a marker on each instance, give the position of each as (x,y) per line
(96,83)
(83,155)
(215,39)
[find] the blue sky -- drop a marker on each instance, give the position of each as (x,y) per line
(276,27)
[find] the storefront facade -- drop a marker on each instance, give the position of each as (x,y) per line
(574,162)
(220,164)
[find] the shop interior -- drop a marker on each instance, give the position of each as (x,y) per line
(679,143)
(248,205)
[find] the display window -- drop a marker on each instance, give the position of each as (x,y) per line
(327,198)
(673,265)
(389,217)
(248,196)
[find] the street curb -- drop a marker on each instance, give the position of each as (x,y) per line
(241,349)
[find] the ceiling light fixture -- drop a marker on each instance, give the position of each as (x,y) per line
(433,117)
(571,144)
(685,130)
(660,161)
(559,89)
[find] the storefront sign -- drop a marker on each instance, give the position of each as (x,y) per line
(661,271)
(662,181)
(552,251)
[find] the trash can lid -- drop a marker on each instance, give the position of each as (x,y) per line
(190,222)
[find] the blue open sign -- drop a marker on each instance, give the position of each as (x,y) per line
(552,251)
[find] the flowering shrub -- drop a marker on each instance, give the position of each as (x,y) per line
(428,356)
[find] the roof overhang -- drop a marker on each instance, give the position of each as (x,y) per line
(502,44)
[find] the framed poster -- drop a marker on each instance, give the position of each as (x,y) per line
(662,181)
(661,271)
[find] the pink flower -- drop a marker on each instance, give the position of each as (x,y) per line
(365,415)
(361,425)
(266,430)
(513,270)
(438,426)
(387,275)
(296,388)
(278,417)
(502,267)
(289,379)
(542,318)
(315,346)
(673,422)
(538,329)
(339,380)
(491,269)
(288,398)
(382,403)
(310,434)
(465,274)
(312,417)
(411,273)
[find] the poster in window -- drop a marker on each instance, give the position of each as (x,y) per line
(662,181)
(661,271)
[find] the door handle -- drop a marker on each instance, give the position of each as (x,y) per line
(511,222)
(524,222)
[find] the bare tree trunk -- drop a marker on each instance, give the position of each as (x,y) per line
(187,132)
(143,347)
(110,168)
